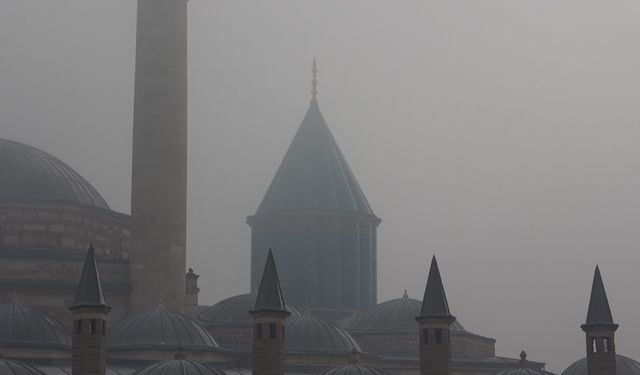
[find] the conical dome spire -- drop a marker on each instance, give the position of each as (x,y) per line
(434,303)
(599,311)
(314,173)
(89,291)
(270,294)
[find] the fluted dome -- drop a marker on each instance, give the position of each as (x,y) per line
(17,368)
(179,367)
(306,333)
(159,328)
(396,314)
(29,174)
(23,326)
(624,366)
(234,310)
(354,369)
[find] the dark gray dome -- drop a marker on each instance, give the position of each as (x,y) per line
(179,367)
(17,368)
(396,314)
(306,333)
(159,328)
(29,174)
(522,371)
(23,326)
(624,366)
(354,369)
(234,310)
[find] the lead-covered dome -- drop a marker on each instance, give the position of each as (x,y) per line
(23,326)
(393,315)
(30,174)
(179,367)
(17,368)
(234,311)
(354,369)
(306,333)
(159,329)
(624,366)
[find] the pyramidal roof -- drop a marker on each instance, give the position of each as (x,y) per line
(434,303)
(270,294)
(89,291)
(314,173)
(599,310)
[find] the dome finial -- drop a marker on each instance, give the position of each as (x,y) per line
(523,359)
(405,294)
(314,82)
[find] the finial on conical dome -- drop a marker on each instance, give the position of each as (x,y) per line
(314,82)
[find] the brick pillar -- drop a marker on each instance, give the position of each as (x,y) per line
(89,353)
(191,293)
(601,349)
(435,345)
(268,342)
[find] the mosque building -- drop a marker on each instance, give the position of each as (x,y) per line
(86,290)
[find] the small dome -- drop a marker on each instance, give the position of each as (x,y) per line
(234,310)
(23,326)
(306,333)
(396,314)
(29,174)
(159,328)
(17,368)
(179,367)
(354,369)
(624,366)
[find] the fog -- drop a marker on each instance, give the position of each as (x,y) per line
(500,135)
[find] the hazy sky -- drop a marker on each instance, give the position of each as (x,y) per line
(500,135)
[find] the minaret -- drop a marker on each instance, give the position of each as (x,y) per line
(435,320)
(269,315)
(89,352)
(600,331)
(159,173)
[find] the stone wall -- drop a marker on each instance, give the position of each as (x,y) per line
(42,250)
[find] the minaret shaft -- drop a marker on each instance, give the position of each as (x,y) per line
(159,173)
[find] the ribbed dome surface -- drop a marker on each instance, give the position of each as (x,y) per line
(179,367)
(29,174)
(161,329)
(234,310)
(306,333)
(314,173)
(624,366)
(354,369)
(16,368)
(396,314)
(522,371)
(22,325)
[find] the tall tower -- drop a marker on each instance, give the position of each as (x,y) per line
(269,315)
(89,352)
(159,173)
(319,223)
(600,331)
(435,321)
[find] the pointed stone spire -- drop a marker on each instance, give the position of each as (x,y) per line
(89,290)
(270,294)
(89,309)
(314,83)
(434,303)
(599,310)
(435,325)
(600,331)
(269,315)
